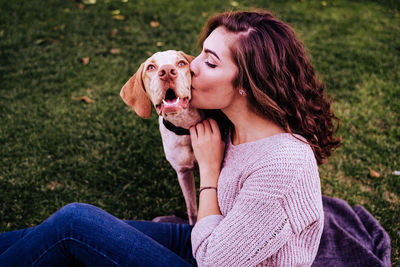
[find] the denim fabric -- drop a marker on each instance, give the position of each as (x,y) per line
(84,235)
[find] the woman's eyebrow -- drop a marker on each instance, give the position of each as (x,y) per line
(212,52)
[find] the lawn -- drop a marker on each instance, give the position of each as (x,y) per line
(57,147)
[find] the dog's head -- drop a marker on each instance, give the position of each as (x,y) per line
(163,79)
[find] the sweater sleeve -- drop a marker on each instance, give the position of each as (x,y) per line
(255,228)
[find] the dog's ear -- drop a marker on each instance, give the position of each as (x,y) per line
(134,94)
(186,56)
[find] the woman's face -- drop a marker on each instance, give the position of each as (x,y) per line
(213,72)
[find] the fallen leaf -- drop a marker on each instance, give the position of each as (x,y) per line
(45,41)
(116,12)
(85,99)
(374,174)
(124,1)
(85,60)
(204,14)
(118,17)
(61,27)
(79,5)
(40,41)
(149,53)
(323,3)
(234,3)
(53,185)
(115,51)
(114,32)
(154,24)
(159,43)
(89,2)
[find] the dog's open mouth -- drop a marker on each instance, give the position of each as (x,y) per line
(171,102)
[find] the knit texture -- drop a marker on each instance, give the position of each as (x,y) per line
(269,194)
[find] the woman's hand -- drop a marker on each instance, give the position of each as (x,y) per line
(208,149)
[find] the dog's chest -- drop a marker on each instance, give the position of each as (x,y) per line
(177,148)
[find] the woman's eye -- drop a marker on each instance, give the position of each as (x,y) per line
(210,65)
(181,63)
(151,67)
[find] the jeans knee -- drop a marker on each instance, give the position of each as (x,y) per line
(73,213)
(73,209)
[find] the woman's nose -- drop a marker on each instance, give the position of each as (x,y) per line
(193,69)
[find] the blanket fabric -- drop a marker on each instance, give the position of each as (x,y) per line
(351,237)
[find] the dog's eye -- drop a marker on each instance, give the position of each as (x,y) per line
(151,67)
(181,63)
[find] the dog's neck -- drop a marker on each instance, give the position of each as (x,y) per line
(184,120)
(173,128)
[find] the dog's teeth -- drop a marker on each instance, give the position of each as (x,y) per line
(169,104)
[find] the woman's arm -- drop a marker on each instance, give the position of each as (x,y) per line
(209,151)
(277,202)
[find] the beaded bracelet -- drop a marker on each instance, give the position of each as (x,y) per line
(207,187)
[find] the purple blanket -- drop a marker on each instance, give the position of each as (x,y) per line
(351,237)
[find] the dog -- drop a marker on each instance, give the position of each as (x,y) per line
(164,81)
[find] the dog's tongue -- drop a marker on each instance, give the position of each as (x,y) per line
(169,105)
(172,105)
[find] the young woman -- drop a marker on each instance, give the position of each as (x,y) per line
(264,205)
(260,198)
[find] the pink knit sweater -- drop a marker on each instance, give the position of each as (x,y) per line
(269,195)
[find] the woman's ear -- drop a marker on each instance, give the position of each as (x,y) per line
(134,94)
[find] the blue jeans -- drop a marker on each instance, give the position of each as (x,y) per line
(81,234)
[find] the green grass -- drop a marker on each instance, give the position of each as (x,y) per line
(56,149)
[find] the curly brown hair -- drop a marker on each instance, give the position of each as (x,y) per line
(281,84)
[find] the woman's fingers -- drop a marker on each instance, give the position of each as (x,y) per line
(214,126)
(197,132)
(193,133)
(200,129)
(205,129)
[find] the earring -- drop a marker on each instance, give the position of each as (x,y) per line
(242,92)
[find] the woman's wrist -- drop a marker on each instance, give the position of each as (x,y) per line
(208,178)
(209,168)
(202,188)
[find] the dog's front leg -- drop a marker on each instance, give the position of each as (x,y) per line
(187,183)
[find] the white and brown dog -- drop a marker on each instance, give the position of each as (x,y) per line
(164,80)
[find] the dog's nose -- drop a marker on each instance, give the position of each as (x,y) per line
(167,72)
